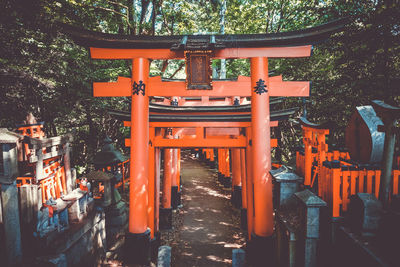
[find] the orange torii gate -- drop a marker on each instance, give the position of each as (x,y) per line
(147,137)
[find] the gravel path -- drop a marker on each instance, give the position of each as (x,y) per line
(208,226)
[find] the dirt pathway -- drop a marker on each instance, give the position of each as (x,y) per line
(211,226)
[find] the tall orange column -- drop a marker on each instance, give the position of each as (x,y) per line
(178,170)
(261,155)
(236,178)
(236,167)
(167,183)
(138,240)
(249,186)
(178,177)
(166,210)
(227,172)
(243,176)
(175,178)
(307,155)
(157,189)
(151,187)
(212,154)
(243,211)
(261,147)
(219,158)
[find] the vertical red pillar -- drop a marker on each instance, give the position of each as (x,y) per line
(227,172)
(236,178)
(157,189)
(174,188)
(151,187)
(178,177)
(137,243)
(243,211)
(139,148)
(219,158)
(167,183)
(261,148)
(166,210)
(243,176)
(307,155)
(236,170)
(249,186)
(178,170)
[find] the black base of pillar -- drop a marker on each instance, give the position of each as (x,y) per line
(137,248)
(220,178)
(175,197)
(236,197)
(165,218)
(260,251)
(227,182)
(210,163)
(243,219)
(179,198)
(155,244)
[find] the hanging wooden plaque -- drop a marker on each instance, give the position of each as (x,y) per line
(198,70)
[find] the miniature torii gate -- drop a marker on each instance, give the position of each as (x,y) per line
(198,51)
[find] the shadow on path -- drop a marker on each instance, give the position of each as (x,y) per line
(211,226)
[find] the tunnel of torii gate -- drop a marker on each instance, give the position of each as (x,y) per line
(201,112)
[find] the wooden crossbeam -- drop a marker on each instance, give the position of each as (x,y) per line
(194,124)
(240,88)
(271,52)
(186,142)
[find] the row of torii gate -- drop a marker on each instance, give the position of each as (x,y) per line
(200,113)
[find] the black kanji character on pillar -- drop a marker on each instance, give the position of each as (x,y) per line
(260,87)
(138,87)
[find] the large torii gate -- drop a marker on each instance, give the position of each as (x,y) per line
(198,51)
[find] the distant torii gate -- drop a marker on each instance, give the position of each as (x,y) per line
(198,50)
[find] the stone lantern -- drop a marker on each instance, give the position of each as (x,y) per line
(107,162)
(108,157)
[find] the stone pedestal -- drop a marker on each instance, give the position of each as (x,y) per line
(236,197)
(286,183)
(10,224)
(310,226)
(364,214)
(165,218)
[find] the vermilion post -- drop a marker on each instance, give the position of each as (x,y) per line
(178,170)
(261,148)
(227,167)
(212,154)
(138,197)
(157,189)
(250,186)
(307,155)
(243,177)
(223,163)
(167,183)
(137,241)
(219,158)
(243,211)
(174,165)
(236,170)
(151,187)
(236,178)
(166,210)
(175,178)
